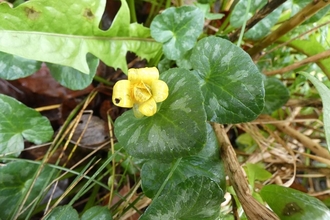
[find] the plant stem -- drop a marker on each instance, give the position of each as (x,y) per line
(244,24)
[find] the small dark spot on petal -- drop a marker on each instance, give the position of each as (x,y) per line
(117,101)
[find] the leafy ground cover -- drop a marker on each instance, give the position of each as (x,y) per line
(88,130)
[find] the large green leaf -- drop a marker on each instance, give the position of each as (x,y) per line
(195,198)
(17,122)
(238,15)
(15,67)
(178,129)
(276,94)
(63,212)
(97,212)
(178,30)
(231,84)
(64,32)
(325,94)
(15,180)
(206,163)
(290,204)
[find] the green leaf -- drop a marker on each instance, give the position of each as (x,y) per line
(17,122)
(263,27)
(206,163)
(72,78)
(310,47)
(208,15)
(15,67)
(290,204)
(325,94)
(195,198)
(97,212)
(63,212)
(177,130)
(231,83)
(256,172)
(239,13)
(276,94)
(178,30)
(15,180)
(63,33)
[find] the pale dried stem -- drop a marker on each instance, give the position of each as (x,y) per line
(252,208)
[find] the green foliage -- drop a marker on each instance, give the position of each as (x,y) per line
(17,122)
(46,35)
(178,30)
(15,181)
(276,95)
(179,127)
(195,198)
(231,84)
(63,212)
(292,204)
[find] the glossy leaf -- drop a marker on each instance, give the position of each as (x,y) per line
(15,67)
(15,180)
(263,27)
(97,212)
(177,130)
(64,33)
(231,84)
(206,163)
(290,204)
(178,30)
(63,212)
(325,94)
(238,15)
(17,122)
(276,95)
(195,198)
(73,78)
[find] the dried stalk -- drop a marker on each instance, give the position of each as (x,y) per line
(252,208)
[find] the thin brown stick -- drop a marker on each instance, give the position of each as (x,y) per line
(312,59)
(287,26)
(268,8)
(252,208)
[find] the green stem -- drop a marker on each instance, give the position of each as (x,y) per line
(101,80)
(131,6)
(244,24)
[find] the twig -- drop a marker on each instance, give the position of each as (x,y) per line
(252,208)
(287,26)
(268,8)
(312,59)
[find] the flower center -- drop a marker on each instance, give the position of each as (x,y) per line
(141,92)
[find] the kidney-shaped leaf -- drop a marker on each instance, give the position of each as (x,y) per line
(178,29)
(178,129)
(276,95)
(290,204)
(195,198)
(232,85)
(206,163)
(17,122)
(325,94)
(15,180)
(64,32)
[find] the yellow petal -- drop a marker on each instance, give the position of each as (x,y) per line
(147,75)
(141,92)
(148,108)
(121,94)
(136,111)
(159,90)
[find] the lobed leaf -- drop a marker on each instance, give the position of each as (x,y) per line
(195,198)
(177,130)
(17,122)
(231,83)
(65,32)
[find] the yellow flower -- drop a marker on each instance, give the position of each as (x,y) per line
(141,91)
